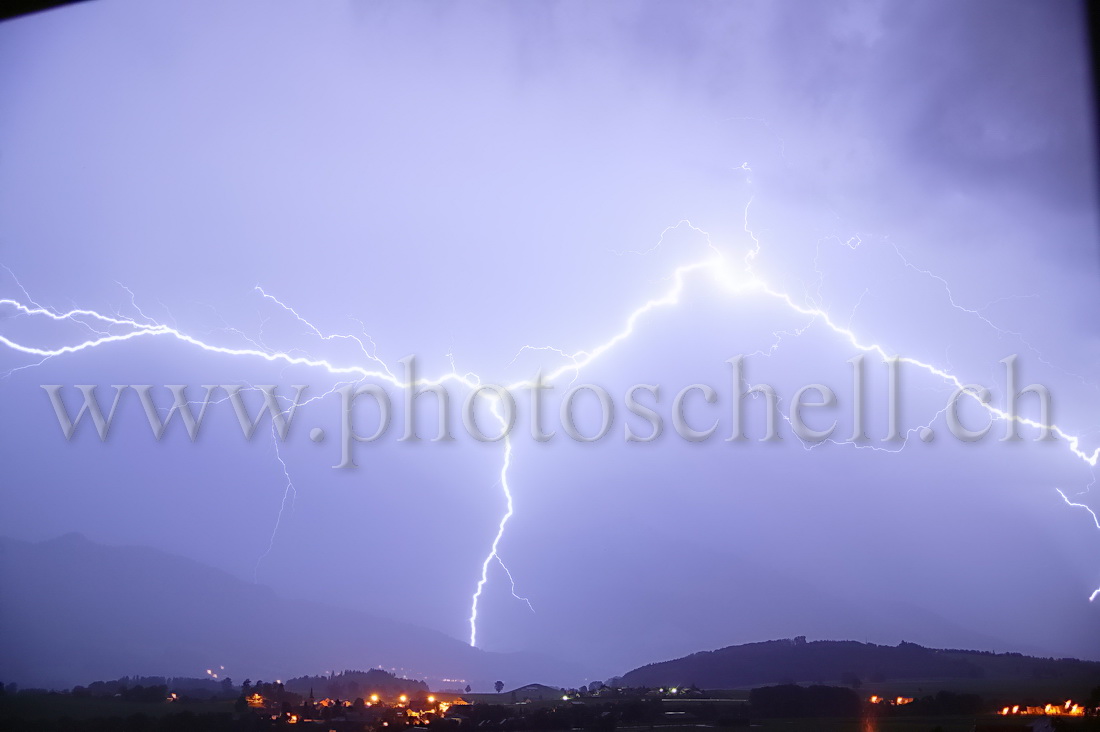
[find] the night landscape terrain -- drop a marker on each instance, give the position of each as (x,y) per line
(549,365)
(107,610)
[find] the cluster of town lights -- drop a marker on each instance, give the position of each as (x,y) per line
(257,701)
(1069,709)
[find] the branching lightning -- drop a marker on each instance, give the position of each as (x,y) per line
(736,277)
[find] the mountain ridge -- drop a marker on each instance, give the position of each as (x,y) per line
(85,611)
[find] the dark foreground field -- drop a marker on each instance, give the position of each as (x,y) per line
(59,706)
(65,713)
(50,712)
(907,724)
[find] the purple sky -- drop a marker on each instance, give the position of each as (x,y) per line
(469,179)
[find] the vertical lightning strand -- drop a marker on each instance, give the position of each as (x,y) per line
(288,491)
(469,380)
(495,546)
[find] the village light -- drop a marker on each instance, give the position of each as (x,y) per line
(403,698)
(431,700)
(374,698)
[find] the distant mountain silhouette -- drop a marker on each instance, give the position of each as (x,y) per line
(73,611)
(789,661)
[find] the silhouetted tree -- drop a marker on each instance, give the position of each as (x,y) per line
(499,686)
(468,688)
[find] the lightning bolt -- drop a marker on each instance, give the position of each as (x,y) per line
(735,277)
(495,546)
(1095,519)
(512,580)
(289,492)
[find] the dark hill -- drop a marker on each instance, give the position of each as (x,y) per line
(788,661)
